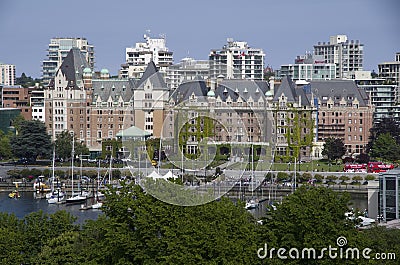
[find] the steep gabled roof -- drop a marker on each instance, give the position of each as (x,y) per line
(187,89)
(239,87)
(293,93)
(338,89)
(287,87)
(112,88)
(156,78)
(72,67)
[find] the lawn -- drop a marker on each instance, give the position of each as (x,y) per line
(317,166)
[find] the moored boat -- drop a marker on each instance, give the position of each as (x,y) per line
(251,204)
(14,194)
(76,199)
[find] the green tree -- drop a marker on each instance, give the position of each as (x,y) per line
(385,125)
(17,121)
(370,177)
(281,176)
(385,147)
(319,178)
(331,179)
(5,146)
(357,179)
(305,177)
(11,237)
(310,217)
(344,179)
(31,141)
(63,249)
(64,146)
(27,81)
(333,148)
(381,240)
(40,227)
(140,229)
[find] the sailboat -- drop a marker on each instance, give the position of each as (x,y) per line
(75,198)
(56,195)
(252,203)
(98,203)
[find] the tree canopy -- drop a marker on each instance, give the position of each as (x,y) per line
(27,81)
(147,230)
(334,148)
(5,146)
(31,140)
(63,145)
(136,228)
(385,125)
(385,147)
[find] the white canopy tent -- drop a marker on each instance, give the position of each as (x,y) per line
(170,175)
(155,175)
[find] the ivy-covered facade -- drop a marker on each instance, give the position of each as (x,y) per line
(294,123)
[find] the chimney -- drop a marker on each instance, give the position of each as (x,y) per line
(271,85)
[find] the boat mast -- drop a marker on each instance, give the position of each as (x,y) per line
(72,165)
(98,181)
(159,155)
(294,186)
(110,173)
(252,169)
(52,177)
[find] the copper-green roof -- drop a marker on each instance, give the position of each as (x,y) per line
(133,132)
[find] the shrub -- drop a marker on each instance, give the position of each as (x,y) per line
(282,176)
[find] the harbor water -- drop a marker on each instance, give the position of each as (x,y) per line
(27,203)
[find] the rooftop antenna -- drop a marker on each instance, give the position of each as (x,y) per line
(147,34)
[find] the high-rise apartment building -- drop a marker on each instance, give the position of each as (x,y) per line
(7,74)
(346,54)
(309,67)
(382,94)
(137,58)
(236,60)
(58,50)
(391,72)
(188,69)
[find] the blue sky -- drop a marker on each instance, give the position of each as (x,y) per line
(282,28)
